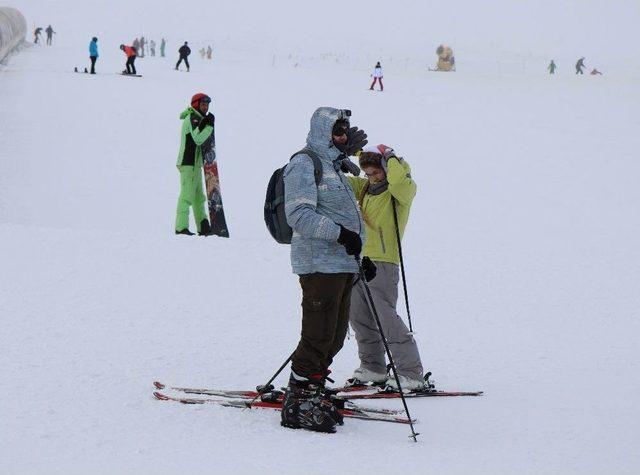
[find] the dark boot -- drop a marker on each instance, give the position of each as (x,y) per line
(205,228)
(184,231)
(305,407)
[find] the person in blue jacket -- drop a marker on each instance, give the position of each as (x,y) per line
(93,53)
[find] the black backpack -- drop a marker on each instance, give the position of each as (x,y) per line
(274,215)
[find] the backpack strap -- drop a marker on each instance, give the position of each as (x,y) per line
(317,164)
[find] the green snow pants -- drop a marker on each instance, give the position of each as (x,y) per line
(191,195)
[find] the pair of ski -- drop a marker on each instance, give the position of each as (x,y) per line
(273,399)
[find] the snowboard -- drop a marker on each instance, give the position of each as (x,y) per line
(128,74)
(212,185)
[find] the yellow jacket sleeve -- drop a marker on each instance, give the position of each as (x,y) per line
(401,185)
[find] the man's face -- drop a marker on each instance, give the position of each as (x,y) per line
(204,107)
(339,132)
(374,174)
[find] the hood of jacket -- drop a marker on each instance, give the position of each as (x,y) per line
(319,138)
(188,111)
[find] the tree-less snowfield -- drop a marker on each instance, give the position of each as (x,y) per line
(522,250)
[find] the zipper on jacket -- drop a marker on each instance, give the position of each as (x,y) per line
(384,249)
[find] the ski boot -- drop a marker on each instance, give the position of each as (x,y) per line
(365,377)
(184,231)
(305,407)
(205,228)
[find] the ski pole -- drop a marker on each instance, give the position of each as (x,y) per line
(374,312)
(268,387)
(404,279)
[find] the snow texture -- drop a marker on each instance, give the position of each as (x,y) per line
(522,250)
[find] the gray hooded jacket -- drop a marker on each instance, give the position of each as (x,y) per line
(314,212)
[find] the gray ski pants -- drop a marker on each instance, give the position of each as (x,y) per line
(384,289)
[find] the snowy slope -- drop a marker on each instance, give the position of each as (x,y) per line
(522,250)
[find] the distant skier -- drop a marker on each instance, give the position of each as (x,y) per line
(580,65)
(202,52)
(143,43)
(50,34)
(163,45)
(595,72)
(209,52)
(152,48)
(93,53)
(136,45)
(131,58)
(197,127)
(184,52)
(552,67)
(37,35)
(377,76)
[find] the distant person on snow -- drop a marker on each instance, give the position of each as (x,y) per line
(37,34)
(152,48)
(163,45)
(202,52)
(184,52)
(595,72)
(197,127)
(580,65)
(50,34)
(93,53)
(131,58)
(136,45)
(209,52)
(388,185)
(143,43)
(327,236)
(377,76)
(552,67)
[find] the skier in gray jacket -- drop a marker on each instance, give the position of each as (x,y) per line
(327,236)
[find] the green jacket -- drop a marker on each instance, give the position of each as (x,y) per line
(193,137)
(377,211)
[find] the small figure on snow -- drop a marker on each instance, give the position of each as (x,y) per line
(136,45)
(377,76)
(152,48)
(202,52)
(580,65)
(552,67)
(385,198)
(209,52)
(184,52)
(197,127)
(595,72)
(50,34)
(93,53)
(163,45)
(37,34)
(327,237)
(131,58)
(143,43)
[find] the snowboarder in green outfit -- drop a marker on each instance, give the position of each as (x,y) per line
(197,127)
(552,67)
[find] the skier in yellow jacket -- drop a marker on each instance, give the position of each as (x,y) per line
(388,184)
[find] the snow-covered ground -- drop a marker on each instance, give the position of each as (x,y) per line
(523,257)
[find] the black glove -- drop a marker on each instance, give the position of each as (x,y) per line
(369,268)
(347,166)
(356,140)
(209,119)
(351,241)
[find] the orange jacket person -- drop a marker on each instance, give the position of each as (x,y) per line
(130,51)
